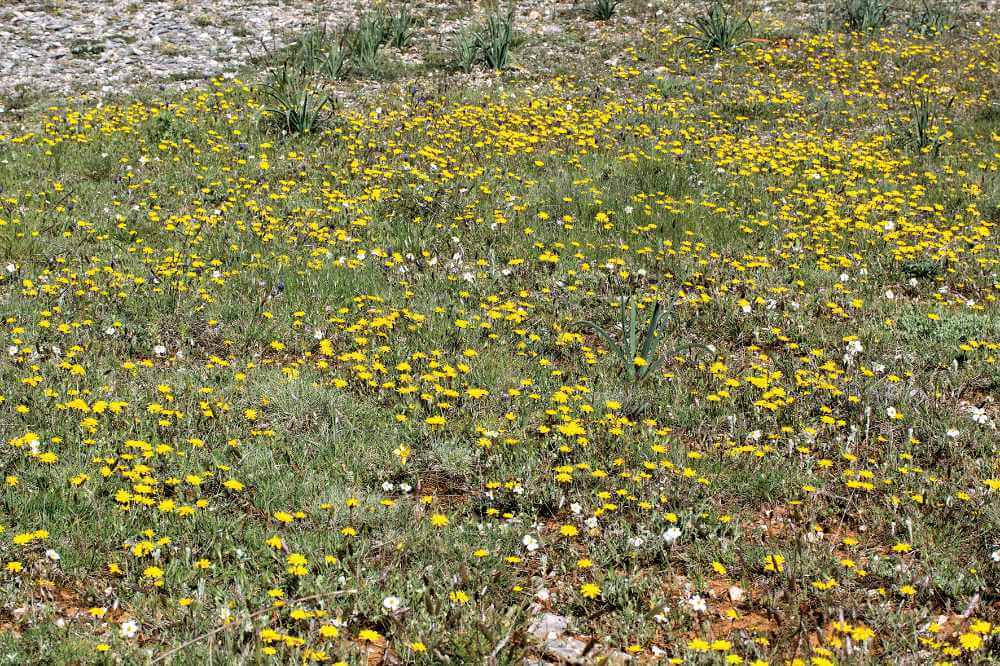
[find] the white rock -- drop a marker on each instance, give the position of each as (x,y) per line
(548,626)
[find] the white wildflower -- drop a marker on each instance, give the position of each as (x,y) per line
(697,604)
(128,629)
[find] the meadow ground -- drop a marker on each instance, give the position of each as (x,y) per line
(588,341)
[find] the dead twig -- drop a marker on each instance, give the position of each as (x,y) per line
(253,616)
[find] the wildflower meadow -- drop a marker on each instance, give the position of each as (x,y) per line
(593,333)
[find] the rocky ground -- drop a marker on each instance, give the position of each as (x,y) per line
(58,46)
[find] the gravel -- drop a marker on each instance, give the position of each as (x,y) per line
(64,46)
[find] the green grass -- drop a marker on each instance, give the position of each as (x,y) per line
(256,385)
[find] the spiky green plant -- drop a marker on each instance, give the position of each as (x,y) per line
(334,64)
(319,51)
(931,18)
(639,349)
(921,131)
(306,51)
(494,40)
(865,15)
(366,41)
(466,47)
(295,108)
(400,27)
(717,29)
(602,10)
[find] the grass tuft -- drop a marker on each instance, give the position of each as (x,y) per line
(717,29)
